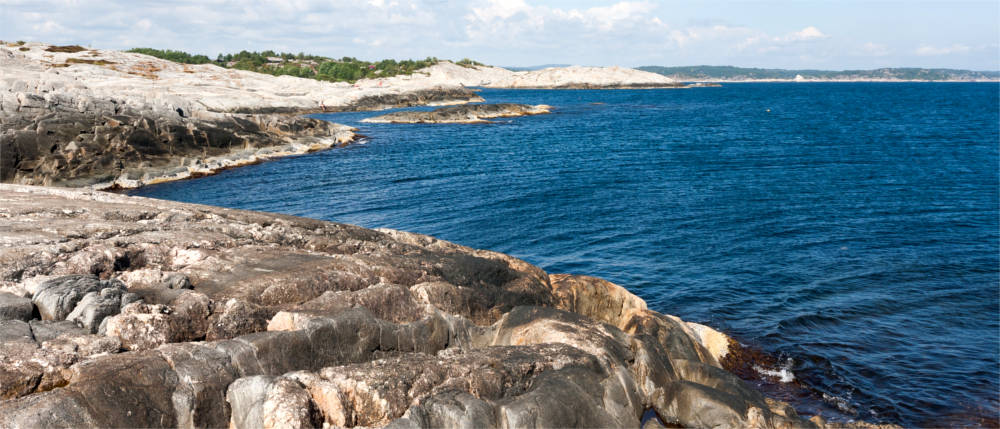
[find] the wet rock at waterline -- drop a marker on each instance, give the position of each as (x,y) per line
(313,323)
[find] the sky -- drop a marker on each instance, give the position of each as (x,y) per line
(831,35)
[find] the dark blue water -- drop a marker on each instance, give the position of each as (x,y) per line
(852,228)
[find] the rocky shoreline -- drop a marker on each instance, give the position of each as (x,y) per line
(468,114)
(127,311)
(114,120)
(71,116)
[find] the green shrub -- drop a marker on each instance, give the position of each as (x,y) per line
(175,56)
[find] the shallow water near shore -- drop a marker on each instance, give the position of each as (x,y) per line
(850,230)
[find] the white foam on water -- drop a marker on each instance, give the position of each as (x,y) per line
(783,374)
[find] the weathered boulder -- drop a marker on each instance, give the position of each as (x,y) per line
(94,307)
(58,297)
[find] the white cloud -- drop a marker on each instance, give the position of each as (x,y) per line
(512,32)
(500,10)
(808,33)
(929,50)
(607,18)
(517,19)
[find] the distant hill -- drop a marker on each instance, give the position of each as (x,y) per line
(532,68)
(730,73)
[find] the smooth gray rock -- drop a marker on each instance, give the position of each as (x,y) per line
(94,307)
(57,297)
(698,406)
(15,307)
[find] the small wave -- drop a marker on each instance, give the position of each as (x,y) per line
(841,404)
(783,373)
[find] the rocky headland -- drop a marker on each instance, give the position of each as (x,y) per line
(132,312)
(77,117)
(72,116)
(466,114)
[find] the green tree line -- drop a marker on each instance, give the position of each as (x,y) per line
(346,69)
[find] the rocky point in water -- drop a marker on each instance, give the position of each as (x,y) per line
(465,114)
(127,311)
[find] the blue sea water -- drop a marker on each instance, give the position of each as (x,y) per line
(848,229)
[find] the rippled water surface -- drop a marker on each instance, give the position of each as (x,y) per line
(852,228)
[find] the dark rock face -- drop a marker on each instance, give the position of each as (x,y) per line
(313,324)
(412,98)
(51,142)
(57,136)
(470,113)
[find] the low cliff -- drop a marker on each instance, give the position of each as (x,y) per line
(77,117)
(467,114)
(126,311)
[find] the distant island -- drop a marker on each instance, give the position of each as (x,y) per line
(742,74)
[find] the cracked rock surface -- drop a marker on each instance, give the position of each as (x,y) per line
(148,313)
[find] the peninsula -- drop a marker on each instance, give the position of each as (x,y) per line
(72,116)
